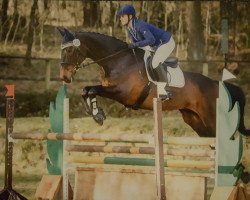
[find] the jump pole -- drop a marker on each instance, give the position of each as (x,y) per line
(115,137)
(140,150)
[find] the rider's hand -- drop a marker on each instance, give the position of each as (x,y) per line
(131,46)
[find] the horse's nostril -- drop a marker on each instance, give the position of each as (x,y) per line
(66,79)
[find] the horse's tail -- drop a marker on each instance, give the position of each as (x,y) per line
(238,95)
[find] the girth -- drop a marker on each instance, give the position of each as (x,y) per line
(142,97)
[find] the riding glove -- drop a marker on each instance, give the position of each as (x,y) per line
(132,46)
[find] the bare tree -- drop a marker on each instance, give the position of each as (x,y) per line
(13,25)
(195,48)
(248,28)
(91,14)
(30,37)
(42,18)
(17,18)
(4,19)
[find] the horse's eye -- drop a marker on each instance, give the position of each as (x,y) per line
(70,50)
(64,65)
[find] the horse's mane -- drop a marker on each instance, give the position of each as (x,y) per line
(109,39)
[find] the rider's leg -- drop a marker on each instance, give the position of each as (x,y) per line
(147,56)
(161,54)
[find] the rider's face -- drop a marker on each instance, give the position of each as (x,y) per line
(124,19)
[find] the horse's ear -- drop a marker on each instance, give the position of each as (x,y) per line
(68,33)
(61,32)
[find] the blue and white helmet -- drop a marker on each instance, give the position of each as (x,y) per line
(126,10)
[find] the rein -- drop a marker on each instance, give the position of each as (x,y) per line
(79,66)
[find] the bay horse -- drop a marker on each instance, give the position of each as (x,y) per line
(125,80)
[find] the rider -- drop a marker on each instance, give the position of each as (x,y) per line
(149,38)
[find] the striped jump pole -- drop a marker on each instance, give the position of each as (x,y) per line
(115,137)
(190,164)
(141,150)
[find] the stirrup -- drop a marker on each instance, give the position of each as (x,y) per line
(165,97)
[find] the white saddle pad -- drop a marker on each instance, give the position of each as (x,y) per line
(175,77)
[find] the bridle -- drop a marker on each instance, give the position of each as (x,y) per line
(76,44)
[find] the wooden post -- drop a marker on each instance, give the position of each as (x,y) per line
(65,153)
(47,75)
(224,40)
(111,31)
(8,192)
(8,144)
(205,69)
(159,157)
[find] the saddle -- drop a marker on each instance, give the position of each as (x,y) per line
(161,74)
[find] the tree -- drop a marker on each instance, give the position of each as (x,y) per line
(195,48)
(15,20)
(91,13)
(32,25)
(4,19)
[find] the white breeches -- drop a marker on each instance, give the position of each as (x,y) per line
(163,52)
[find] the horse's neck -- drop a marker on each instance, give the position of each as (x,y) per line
(103,52)
(98,48)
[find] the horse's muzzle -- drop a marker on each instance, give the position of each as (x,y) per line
(66,79)
(66,75)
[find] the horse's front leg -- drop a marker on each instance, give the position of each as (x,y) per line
(90,102)
(86,100)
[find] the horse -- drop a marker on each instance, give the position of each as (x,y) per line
(125,80)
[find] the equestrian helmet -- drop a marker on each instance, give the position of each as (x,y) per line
(126,10)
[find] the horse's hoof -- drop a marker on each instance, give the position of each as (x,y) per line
(99,117)
(101,112)
(98,120)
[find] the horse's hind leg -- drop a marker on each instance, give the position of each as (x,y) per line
(193,120)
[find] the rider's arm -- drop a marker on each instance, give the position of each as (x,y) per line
(130,38)
(149,38)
